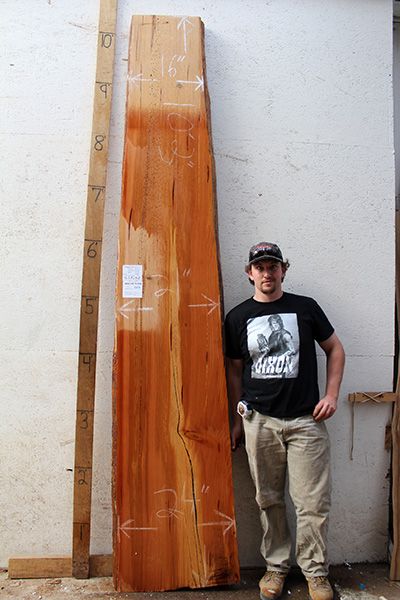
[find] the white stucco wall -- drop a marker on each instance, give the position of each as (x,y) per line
(301,98)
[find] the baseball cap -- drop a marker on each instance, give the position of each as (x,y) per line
(264,250)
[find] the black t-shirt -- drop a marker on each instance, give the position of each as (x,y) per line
(276,342)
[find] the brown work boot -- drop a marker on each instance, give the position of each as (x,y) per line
(271,585)
(319,588)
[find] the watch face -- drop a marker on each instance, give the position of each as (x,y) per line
(241,409)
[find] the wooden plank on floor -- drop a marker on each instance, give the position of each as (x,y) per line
(34,567)
(174,523)
(31,567)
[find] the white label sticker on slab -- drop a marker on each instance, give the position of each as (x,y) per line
(132,281)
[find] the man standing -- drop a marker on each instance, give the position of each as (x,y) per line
(272,382)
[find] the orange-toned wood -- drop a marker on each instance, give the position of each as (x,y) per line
(174,520)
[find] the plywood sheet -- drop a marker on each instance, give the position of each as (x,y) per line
(173,502)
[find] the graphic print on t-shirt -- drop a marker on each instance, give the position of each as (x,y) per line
(273,343)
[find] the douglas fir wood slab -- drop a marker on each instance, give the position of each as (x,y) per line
(172,486)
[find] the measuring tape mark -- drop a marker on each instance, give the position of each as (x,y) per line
(87,358)
(106,38)
(99,142)
(103,86)
(89,308)
(98,189)
(84,416)
(82,478)
(91,250)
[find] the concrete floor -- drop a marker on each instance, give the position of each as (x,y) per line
(351,582)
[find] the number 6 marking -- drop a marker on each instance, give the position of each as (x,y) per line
(92,252)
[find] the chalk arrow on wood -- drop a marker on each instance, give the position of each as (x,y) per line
(126,308)
(139,78)
(212,305)
(183,23)
(206,577)
(228,523)
(125,527)
(199,82)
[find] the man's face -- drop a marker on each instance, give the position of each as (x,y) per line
(267,275)
(275,325)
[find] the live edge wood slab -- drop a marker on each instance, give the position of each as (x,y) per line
(174,520)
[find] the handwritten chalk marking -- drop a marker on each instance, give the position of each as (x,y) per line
(171,68)
(174,145)
(206,577)
(171,511)
(212,304)
(228,524)
(168,513)
(191,501)
(175,152)
(125,527)
(176,104)
(163,490)
(178,117)
(168,162)
(139,78)
(124,309)
(182,25)
(199,82)
(161,292)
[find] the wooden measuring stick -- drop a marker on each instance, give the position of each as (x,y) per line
(395,557)
(90,289)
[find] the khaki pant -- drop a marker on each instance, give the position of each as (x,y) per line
(299,447)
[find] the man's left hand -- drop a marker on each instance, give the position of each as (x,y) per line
(325,408)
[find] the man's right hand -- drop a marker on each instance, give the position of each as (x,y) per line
(237,434)
(234,372)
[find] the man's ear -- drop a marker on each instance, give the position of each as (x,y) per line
(248,273)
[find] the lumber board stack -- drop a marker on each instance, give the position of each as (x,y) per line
(172,486)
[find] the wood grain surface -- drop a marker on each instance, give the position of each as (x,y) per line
(174,520)
(86,388)
(395,556)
